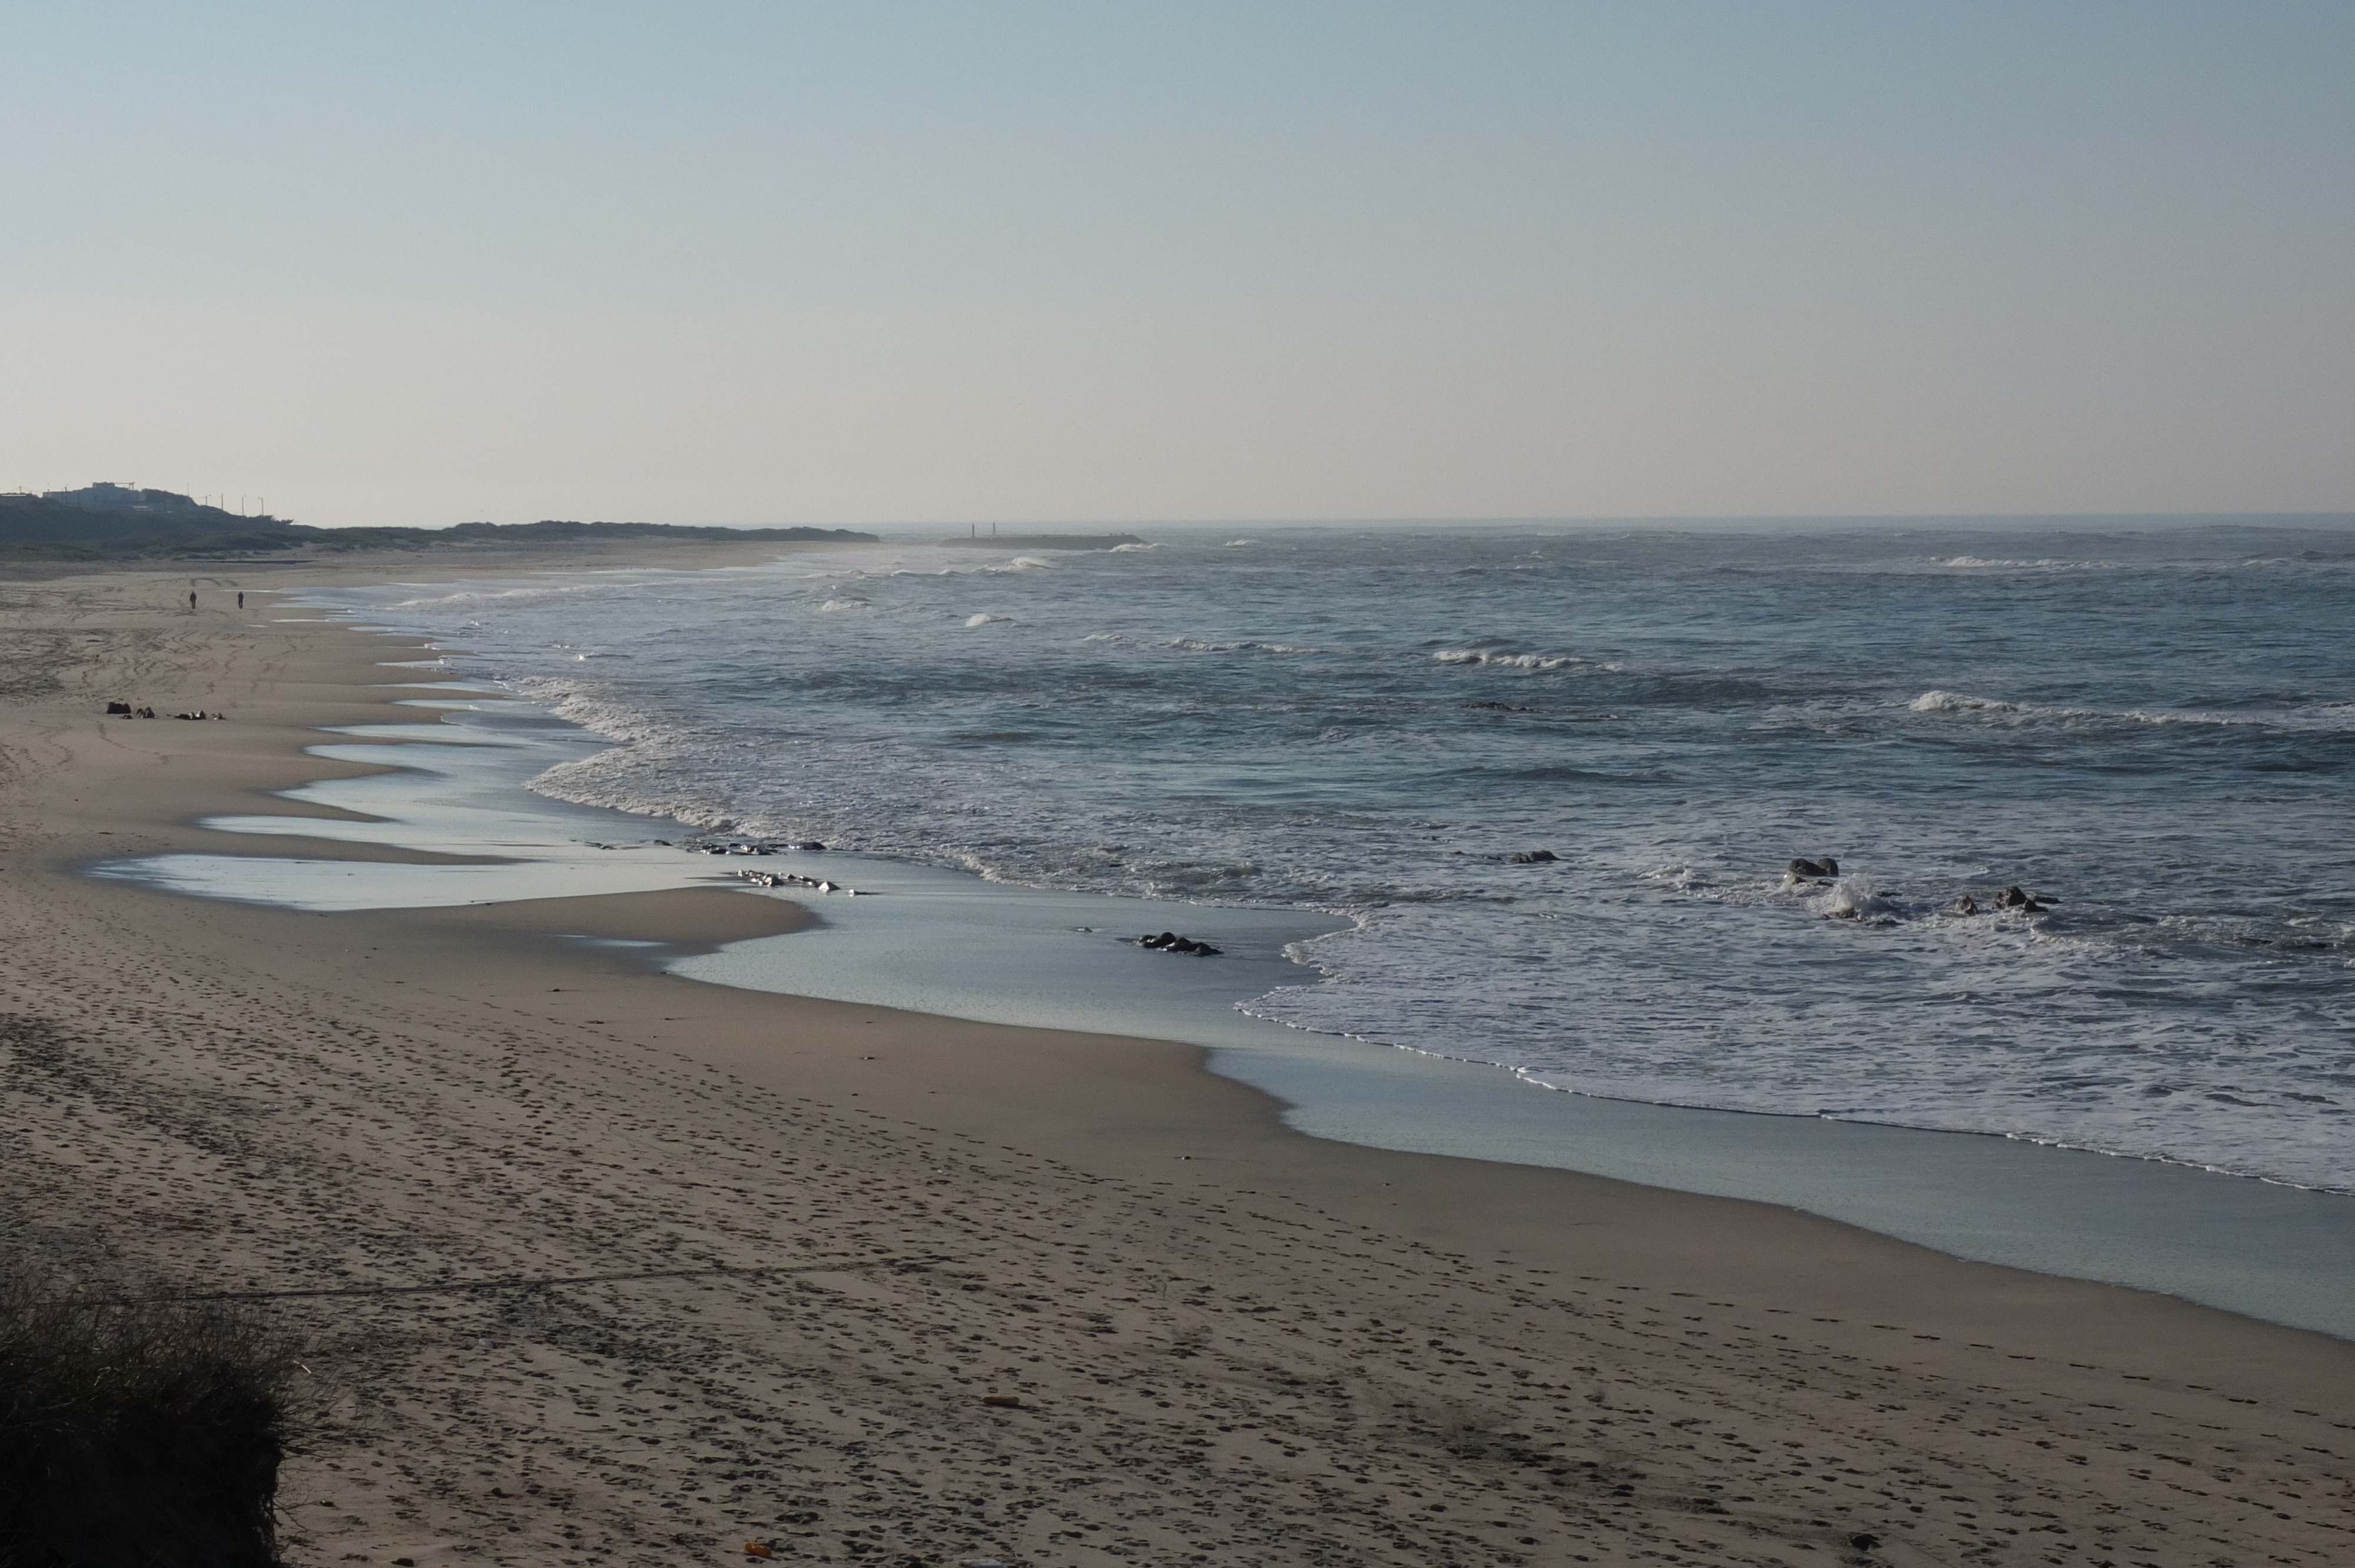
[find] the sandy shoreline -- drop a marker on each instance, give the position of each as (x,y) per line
(1235,1345)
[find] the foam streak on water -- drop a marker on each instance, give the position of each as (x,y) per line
(2154,725)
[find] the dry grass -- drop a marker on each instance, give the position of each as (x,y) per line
(135,1431)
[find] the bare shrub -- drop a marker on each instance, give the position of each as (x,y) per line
(135,1431)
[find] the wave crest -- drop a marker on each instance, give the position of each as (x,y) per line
(2046,563)
(1510,661)
(1946,702)
(2326,717)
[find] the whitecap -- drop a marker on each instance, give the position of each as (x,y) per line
(2045,564)
(506,597)
(986,619)
(1199,645)
(1944,702)
(1508,661)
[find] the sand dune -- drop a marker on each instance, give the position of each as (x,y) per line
(598,1264)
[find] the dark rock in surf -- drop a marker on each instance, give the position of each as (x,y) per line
(1800,868)
(1171,942)
(1530,857)
(1966,904)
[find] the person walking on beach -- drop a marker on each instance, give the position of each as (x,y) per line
(241,598)
(192,602)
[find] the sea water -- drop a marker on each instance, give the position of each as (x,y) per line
(2150,724)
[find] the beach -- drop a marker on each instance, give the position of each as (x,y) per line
(594,1262)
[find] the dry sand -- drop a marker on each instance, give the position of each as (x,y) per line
(597,1264)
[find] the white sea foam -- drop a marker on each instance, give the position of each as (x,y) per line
(1201,645)
(1510,661)
(508,597)
(1204,644)
(1853,898)
(987,620)
(2316,716)
(1943,701)
(2047,564)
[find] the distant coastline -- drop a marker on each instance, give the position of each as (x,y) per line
(106,521)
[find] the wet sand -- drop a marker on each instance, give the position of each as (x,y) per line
(713,1264)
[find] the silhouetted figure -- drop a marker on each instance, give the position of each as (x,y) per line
(241,599)
(192,602)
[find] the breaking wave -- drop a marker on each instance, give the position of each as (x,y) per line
(1510,661)
(2323,716)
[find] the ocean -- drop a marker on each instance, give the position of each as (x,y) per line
(2147,724)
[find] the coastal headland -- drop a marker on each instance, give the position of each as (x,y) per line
(106,521)
(594,1262)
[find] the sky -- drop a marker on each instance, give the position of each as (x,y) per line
(876,261)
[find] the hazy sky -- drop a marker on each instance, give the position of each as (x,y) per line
(868,261)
